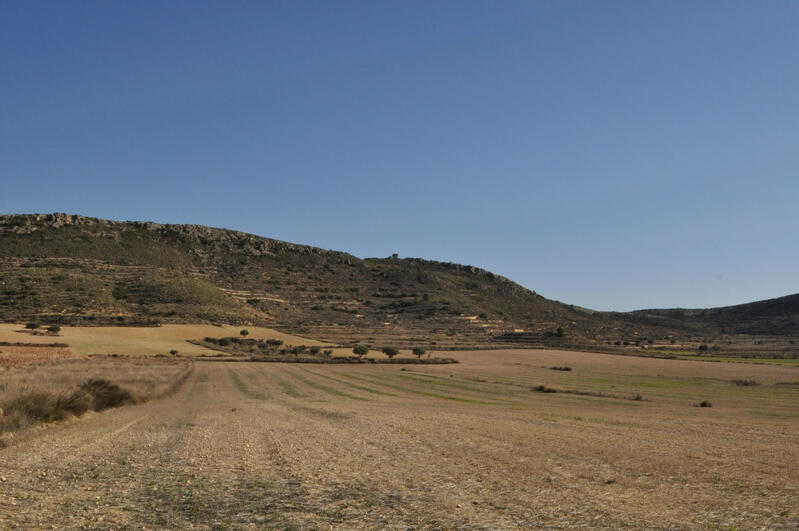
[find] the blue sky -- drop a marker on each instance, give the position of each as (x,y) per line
(616,155)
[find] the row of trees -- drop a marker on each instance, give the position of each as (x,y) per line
(362,351)
(359,350)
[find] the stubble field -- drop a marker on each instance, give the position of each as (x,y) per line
(461,446)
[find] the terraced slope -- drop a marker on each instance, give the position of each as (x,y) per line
(73,269)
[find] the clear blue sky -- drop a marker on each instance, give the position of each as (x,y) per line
(616,155)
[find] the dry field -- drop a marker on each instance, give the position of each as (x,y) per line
(459,446)
(17,356)
(138,341)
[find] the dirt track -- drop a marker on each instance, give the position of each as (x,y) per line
(268,445)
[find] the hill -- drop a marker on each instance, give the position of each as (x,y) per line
(71,269)
(776,317)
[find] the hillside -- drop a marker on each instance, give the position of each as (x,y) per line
(74,269)
(71,269)
(778,317)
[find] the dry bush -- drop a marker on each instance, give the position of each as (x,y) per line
(105,394)
(55,391)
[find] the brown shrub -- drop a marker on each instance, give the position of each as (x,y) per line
(27,409)
(105,394)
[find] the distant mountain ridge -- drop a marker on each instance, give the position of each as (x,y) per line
(75,269)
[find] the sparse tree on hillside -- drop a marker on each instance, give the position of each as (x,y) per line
(32,325)
(173,352)
(244,332)
(390,351)
(560,332)
(360,351)
(299,349)
(327,354)
(315,350)
(54,329)
(419,352)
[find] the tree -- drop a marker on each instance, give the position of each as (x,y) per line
(390,351)
(419,352)
(54,329)
(299,349)
(360,351)
(315,350)
(32,325)
(559,332)
(244,332)
(173,352)
(327,353)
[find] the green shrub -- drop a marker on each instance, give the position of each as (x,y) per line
(244,332)
(32,325)
(54,329)
(419,352)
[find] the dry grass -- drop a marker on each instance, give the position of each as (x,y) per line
(54,391)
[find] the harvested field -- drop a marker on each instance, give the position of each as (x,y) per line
(138,341)
(461,446)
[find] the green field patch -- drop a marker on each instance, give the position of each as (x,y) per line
(241,386)
(754,361)
(353,385)
(325,388)
(287,388)
(442,381)
(632,382)
(421,393)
